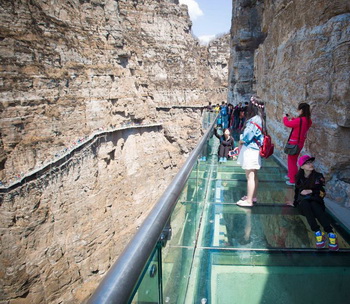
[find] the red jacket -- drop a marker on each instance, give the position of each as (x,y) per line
(294,123)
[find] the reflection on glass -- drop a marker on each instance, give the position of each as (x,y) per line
(149,288)
(260,227)
(176,269)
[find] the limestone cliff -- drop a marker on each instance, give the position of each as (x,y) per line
(96,63)
(69,70)
(246,36)
(301,54)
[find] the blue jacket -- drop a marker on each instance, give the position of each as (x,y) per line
(252,133)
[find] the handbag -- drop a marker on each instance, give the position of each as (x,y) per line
(292,149)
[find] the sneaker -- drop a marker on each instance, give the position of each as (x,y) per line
(320,239)
(286,177)
(225,160)
(332,242)
(290,184)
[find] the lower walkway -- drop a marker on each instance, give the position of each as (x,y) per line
(220,253)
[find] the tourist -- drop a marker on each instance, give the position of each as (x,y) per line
(240,122)
(300,127)
(217,108)
(236,112)
(209,107)
(245,108)
(230,114)
(249,157)
(308,198)
(226,144)
(224,115)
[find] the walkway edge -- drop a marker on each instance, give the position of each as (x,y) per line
(341,213)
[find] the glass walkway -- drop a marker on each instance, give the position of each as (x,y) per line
(219,253)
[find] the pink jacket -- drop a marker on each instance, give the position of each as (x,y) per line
(294,123)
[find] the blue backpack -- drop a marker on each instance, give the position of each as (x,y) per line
(223,111)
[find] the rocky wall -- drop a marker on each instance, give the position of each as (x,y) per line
(304,57)
(246,36)
(62,231)
(71,67)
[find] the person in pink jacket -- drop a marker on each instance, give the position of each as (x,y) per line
(294,123)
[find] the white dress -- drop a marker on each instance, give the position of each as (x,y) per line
(249,158)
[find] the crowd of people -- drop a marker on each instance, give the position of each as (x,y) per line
(230,117)
(246,124)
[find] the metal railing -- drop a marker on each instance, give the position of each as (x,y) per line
(119,283)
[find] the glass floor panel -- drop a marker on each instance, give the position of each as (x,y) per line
(221,253)
(261,227)
(229,277)
(269,192)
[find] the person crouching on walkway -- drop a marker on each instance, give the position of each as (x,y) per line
(308,198)
(226,144)
(249,157)
(300,126)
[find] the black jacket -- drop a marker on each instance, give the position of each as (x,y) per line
(229,142)
(314,182)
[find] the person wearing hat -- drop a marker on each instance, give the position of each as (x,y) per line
(308,198)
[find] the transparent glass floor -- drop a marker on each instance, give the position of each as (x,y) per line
(220,253)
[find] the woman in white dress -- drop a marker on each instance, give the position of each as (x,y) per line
(251,140)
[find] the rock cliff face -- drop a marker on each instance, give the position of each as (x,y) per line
(99,63)
(301,55)
(246,36)
(62,231)
(71,68)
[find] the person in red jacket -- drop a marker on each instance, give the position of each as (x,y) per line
(303,120)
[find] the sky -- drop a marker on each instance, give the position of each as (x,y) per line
(209,17)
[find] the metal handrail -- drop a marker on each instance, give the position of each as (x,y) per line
(119,282)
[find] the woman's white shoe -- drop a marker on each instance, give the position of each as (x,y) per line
(244,203)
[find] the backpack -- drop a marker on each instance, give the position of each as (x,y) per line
(223,111)
(267,148)
(219,121)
